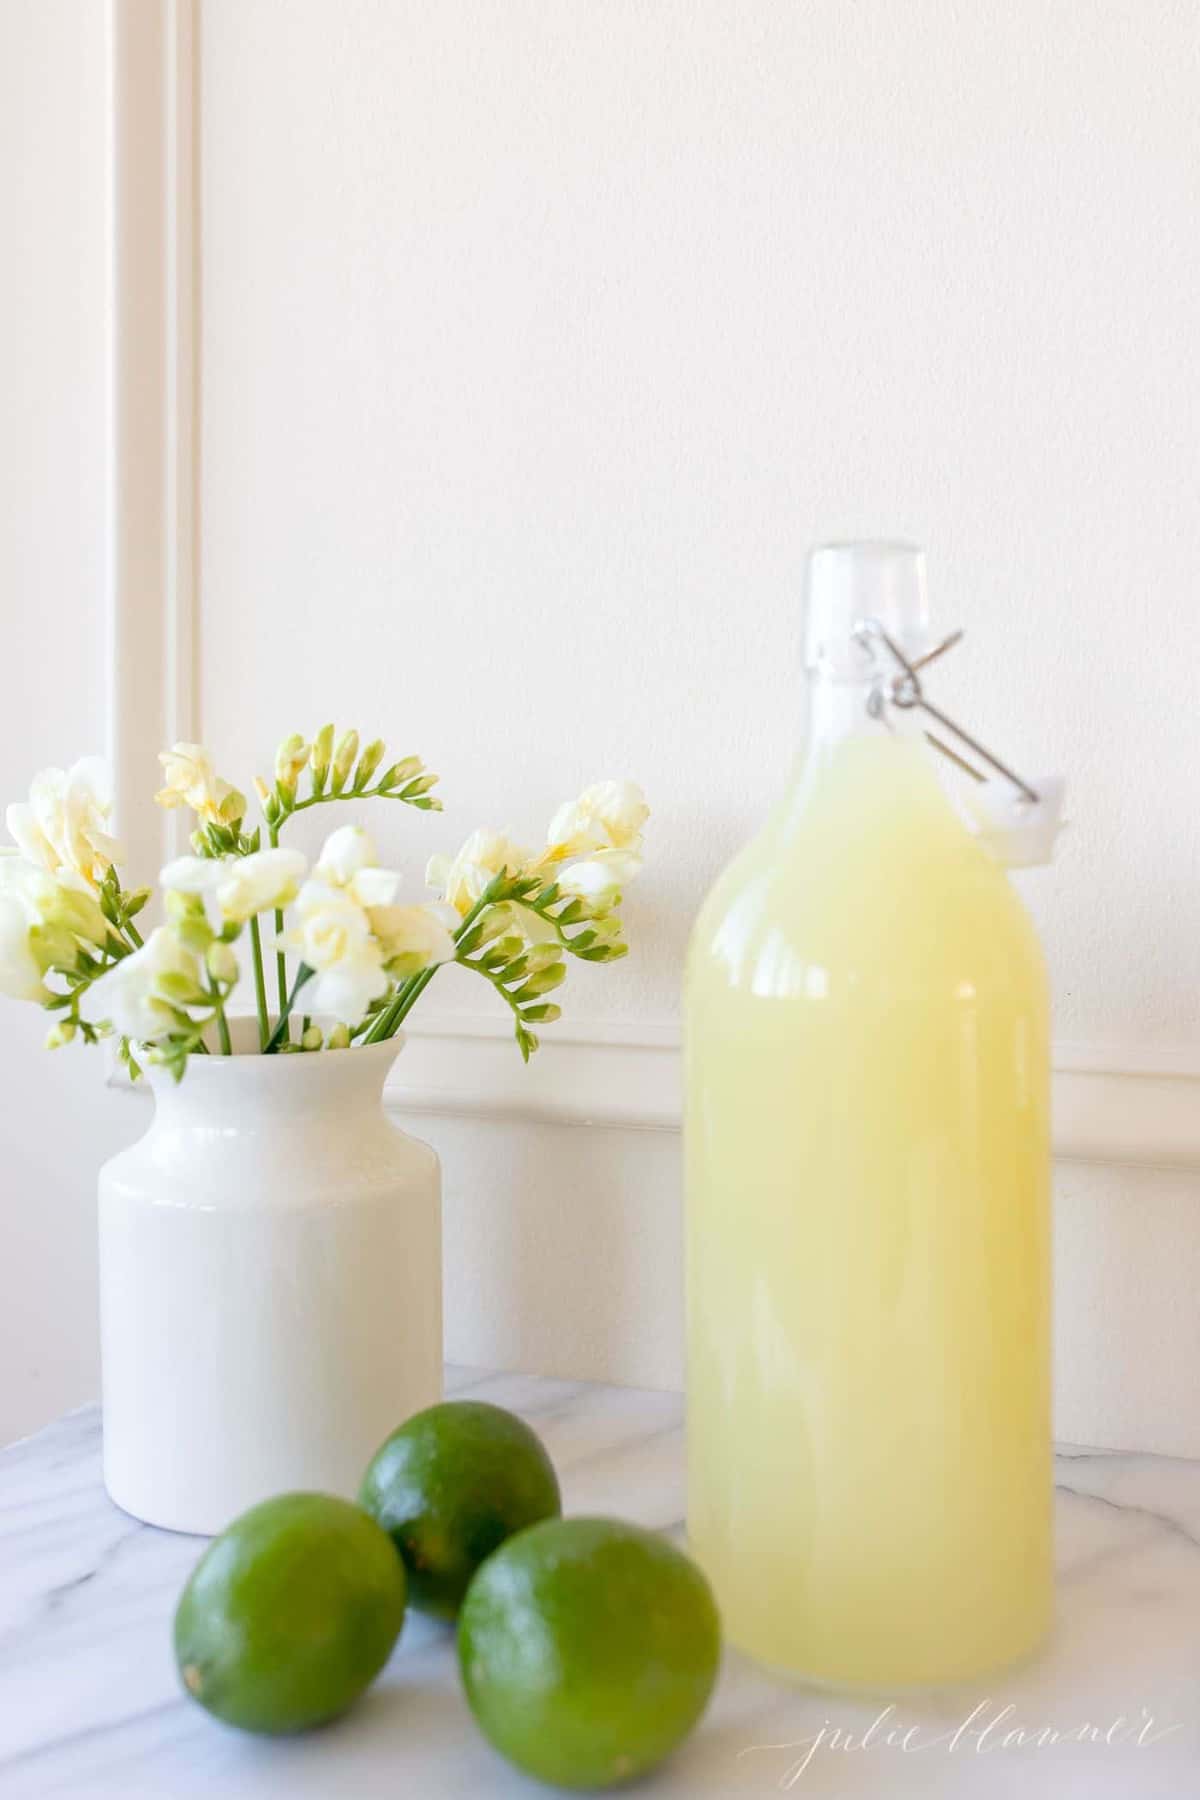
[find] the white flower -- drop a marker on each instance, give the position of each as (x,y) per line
(461,879)
(46,919)
(609,815)
(599,879)
(413,938)
(191,781)
(235,888)
(63,826)
(333,936)
(130,995)
(348,860)
(20,972)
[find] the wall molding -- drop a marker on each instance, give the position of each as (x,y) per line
(151,408)
(1140,1115)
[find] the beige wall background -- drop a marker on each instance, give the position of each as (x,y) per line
(531,348)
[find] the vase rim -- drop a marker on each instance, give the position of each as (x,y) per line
(243,1031)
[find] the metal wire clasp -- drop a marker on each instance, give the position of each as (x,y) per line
(904,689)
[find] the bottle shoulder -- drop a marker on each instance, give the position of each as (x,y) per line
(782,917)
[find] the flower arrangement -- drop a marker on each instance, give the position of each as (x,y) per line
(342,949)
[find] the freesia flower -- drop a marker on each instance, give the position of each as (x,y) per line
(191,781)
(413,938)
(46,919)
(131,995)
(63,825)
(599,879)
(236,888)
(348,860)
(333,936)
(20,973)
(461,879)
(609,815)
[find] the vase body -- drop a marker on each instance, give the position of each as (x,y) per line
(868,1243)
(270,1285)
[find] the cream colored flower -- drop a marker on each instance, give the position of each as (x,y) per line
(599,879)
(64,823)
(333,936)
(20,971)
(461,879)
(236,888)
(348,860)
(47,919)
(192,781)
(609,815)
(413,938)
(130,996)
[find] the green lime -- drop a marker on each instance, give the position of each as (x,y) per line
(290,1614)
(450,1486)
(588,1650)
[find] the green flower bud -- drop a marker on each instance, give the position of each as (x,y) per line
(542,983)
(541,956)
(185,915)
(322,751)
(312,1039)
(291,759)
(400,772)
(343,760)
(52,947)
(222,964)
(233,807)
(60,1034)
(339,1038)
(368,762)
(180,990)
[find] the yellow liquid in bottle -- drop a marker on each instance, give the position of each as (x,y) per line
(868,1258)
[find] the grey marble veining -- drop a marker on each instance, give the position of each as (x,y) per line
(90,1706)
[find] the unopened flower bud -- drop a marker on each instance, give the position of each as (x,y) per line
(60,1034)
(339,1038)
(222,963)
(312,1039)
(320,755)
(368,762)
(343,760)
(400,772)
(291,759)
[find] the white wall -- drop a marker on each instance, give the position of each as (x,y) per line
(57,1121)
(539,341)
(536,344)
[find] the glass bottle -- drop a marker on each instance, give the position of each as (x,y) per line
(867,1201)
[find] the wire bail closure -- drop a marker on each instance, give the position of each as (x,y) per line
(904,689)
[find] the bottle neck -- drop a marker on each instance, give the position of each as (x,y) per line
(839,709)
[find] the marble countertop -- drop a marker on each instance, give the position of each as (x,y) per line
(89,1703)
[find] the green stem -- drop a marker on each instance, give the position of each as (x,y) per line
(131,931)
(407,995)
(260,985)
(281,981)
(280,1033)
(222,1024)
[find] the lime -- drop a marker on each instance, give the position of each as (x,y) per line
(588,1650)
(290,1614)
(450,1486)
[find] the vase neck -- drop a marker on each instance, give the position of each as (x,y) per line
(255,1092)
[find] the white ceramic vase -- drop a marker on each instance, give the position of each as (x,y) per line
(270,1285)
